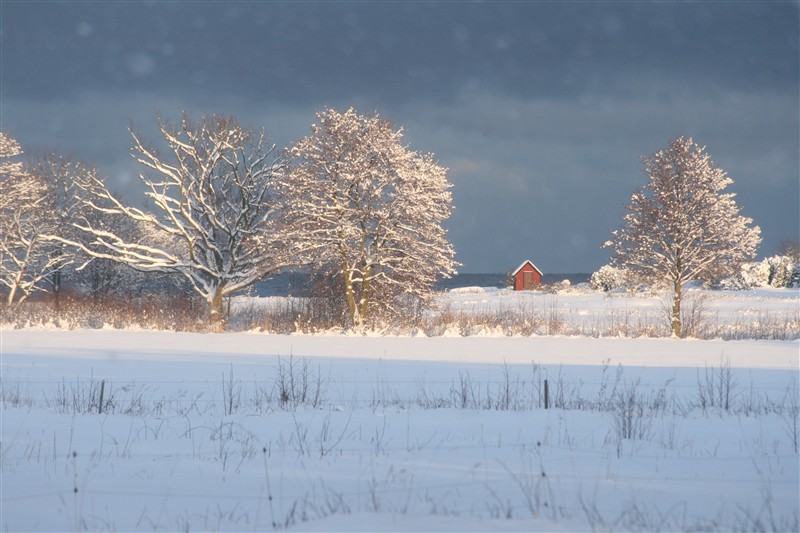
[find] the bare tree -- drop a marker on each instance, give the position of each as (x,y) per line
(368,212)
(101,278)
(63,178)
(680,226)
(27,217)
(213,209)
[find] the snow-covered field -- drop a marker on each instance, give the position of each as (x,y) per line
(580,300)
(247,431)
(580,311)
(759,313)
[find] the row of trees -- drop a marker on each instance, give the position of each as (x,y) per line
(349,202)
(779,271)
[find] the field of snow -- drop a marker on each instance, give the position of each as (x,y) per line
(248,431)
(582,301)
(579,311)
(758,313)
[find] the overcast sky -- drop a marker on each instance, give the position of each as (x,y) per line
(540,110)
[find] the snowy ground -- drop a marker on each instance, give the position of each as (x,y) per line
(581,311)
(356,433)
(759,313)
(582,301)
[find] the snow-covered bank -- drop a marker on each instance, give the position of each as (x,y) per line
(112,345)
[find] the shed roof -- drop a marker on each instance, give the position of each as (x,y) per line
(526,262)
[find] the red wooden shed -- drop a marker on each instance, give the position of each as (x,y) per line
(527,277)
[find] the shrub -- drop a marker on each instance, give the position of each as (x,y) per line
(779,271)
(784,271)
(609,278)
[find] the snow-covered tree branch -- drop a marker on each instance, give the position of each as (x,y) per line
(680,226)
(213,213)
(368,211)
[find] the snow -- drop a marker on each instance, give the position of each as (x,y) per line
(405,433)
(584,310)
(100,347)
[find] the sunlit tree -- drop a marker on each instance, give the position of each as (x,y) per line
(368,212)
(28,215)
(211,209)
(681,226)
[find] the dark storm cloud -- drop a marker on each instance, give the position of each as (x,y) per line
(541,110)
(557,179)
(303,50)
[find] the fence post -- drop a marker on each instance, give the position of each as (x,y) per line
(102,392)
(546,395)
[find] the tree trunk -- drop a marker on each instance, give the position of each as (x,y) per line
(57,290)
(365,294)
(95,286)
(216,310)
(11,292)
(676,310)
(350,295)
